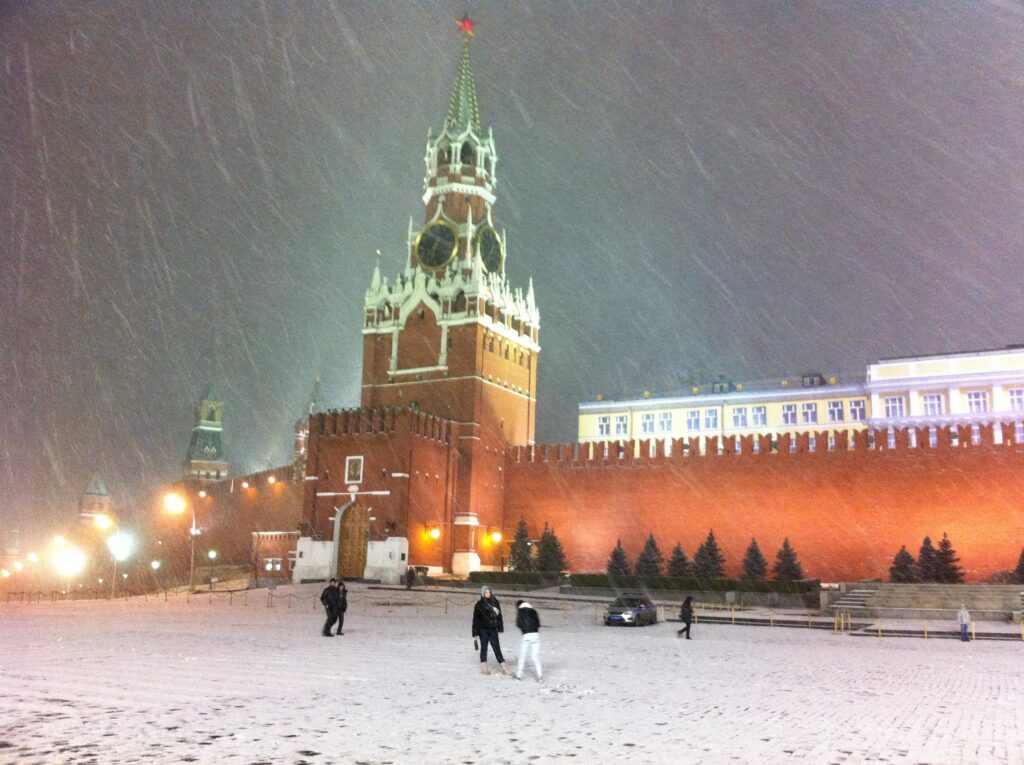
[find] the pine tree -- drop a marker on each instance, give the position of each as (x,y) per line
(679,565)
(927,562)
(946,561)
(755,567)
(1018,573)
(709,563)
(618,564)
(550,556)
(520,558)
(787,568)
(650,559)
(903,568)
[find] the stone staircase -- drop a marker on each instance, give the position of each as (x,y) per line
(986,602)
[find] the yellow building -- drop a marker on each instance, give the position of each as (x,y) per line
(974,388)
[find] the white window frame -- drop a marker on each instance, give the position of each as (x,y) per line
(836,411)
(1016,399)
(932,404)
(739,417)
(894,407)
(977,401)
(647,423)
(809,412)
(789,414)
(711,419)
(759,415)
(693,420)
(665,422)
(858,409)
(604,425)
(622,424)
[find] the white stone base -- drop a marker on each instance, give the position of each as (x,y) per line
(313,560)
(387,560)
(465,562)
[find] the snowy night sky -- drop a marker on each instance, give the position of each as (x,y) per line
(193,193)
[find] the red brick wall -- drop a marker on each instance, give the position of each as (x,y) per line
(845,512)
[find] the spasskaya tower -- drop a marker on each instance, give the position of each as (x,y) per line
(449,335)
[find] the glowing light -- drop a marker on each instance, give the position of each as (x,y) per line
(435,533)
(69,561)
(174,504)
(33,558)
(155,565)
(245,484)
(212,555)
(100,580)
(272,480)
(4,573)
(496,536)
(202,494)
(270,567)
(59,540)
(18,565)
(121,546)
(102,522)
(465,24)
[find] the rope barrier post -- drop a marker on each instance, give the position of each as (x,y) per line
(925,629)
(835,624)
(808,620)
(973,633)
(565,611)
(771,619)
(732,612)
(290,596)
(270,600)
(446,604)
(879,629)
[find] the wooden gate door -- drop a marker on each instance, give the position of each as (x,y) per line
(352,537)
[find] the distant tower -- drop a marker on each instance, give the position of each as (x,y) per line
(313,406)
(205,461)
(95,501)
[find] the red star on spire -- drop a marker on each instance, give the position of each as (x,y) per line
(465,25)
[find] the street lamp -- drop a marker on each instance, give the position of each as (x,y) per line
(175,504)
(120,546)
(212,555)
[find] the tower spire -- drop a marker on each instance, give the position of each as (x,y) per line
(462,108)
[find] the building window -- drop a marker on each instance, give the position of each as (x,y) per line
(975,434)
(621,425)
(739,417)
(711,419)
(933,437)
(760,415)
(977,401)
(647,423)
(835,411)
(812,443)
(693,419)
(1018,432)
(665,422)
(810,412)
(890,437)
(857,409)
(893,407)
(1017,399)
(789,414)
(932,403)
(604,426)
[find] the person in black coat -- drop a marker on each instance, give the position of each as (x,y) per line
(331,599)
(686,615)
(487,625)
(342,606)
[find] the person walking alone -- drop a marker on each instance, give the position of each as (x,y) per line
(487,625)
(342,606)
(963,618)
(528,622)
(686,616)
(331,599)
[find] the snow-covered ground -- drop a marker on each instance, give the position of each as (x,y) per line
(216,682)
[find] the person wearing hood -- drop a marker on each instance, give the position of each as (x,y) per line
(686,617)
(963,618)
(528,622)
(487,625)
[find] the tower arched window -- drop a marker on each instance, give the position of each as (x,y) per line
(467,156)
(211,414)
(444,157)
(487,164)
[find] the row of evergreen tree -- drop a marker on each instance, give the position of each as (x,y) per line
(933,564)
(708,562)
(550,557)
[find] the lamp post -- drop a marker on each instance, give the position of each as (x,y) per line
(212,555)
(175,504)
(120,546)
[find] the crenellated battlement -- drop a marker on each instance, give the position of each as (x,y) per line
(1000,435)
(380,420)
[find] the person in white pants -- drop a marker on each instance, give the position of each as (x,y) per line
(528,623)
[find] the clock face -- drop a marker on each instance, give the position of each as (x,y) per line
(436,244)
(489,246)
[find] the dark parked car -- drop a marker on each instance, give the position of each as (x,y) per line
(633,608)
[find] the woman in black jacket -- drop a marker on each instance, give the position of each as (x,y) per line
(487,624)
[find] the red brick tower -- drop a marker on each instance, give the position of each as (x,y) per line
(450,336)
